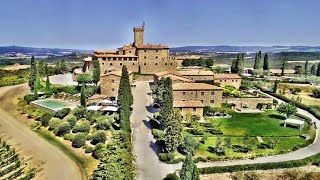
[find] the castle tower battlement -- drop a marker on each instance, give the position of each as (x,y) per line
(138,35)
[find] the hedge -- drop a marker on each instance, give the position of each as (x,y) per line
(311,110)
(311,160)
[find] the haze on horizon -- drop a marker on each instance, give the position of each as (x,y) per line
(103,24)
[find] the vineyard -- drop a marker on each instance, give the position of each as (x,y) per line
(12,166)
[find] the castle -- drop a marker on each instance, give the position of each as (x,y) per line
(137,56)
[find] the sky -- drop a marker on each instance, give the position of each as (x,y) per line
(107,24)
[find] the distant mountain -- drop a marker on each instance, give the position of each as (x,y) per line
(246,49)
(39,51)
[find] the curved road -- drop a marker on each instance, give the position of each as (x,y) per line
(52,162)
(147,159)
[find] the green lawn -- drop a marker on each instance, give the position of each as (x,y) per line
(262,124)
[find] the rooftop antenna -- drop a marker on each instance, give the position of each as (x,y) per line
(143,23)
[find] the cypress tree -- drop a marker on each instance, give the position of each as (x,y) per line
(38,80)
(282,68)
(35,91)
(266,62)
(46,69)
(256,65)
(238,64)
(318,70)
(63,66)
(83,96)
(189,170)
(233,66)
(167,103)
(33,73)
(259,56)
(124,92)
(48,86)
(306,68)
(313,70)
(41,68)
(96,71)
(173,131)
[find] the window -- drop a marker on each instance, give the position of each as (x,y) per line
(156,63)
(120,64)
(135,59)
(112,80)
(145,57)
(165,63)
(211,101)
(114,59)
(110,64)
(129,51)
(232,80)
(171,64)
(109,59)
(194,109)
(130,59)
(201,101)
(102,63)
(204,78)
(112,89)
(104,58)
(180,109)
(119,59)
(183,100)
(183,93)
(212,92)
(132,63)
(156,50)
(125,58)
(220,80)
(236,80)
(156,57)
(202,93)
(145,63)
(145,50)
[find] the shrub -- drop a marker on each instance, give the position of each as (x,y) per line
(189,145)
(63,129)
(62,113)
(68,137)
(54,123)
(89,149)
(72,121)
(45,118)
(103,123)
(28,98)
(99,137)
(158,134)
(79,140)
(197,129)
(81,126)
(171,176)
(316,93)
(165,157)
(79,112)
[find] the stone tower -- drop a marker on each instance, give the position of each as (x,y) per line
(138,35)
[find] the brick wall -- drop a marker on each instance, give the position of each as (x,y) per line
(204,96)
(249,102)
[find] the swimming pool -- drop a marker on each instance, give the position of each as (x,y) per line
(52,104)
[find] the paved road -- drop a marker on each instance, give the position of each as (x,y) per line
(53,162)
(150,168)
(147,164)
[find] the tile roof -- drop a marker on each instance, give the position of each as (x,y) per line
(194,86)
(226,76)
(196,73)
(191,104)
(111,51)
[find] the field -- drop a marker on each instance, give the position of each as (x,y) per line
(12,166)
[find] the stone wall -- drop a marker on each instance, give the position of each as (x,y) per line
(105,65)
(229,82)
(207,97)
(190,111)
(109,85)
(249,102)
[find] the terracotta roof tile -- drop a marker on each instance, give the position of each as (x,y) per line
(196,73)
(111,51)
(194,86)
(191,104)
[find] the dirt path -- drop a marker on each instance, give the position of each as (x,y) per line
(52,162)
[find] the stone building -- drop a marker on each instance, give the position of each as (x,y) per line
(197,75)
(208,94)
(233,80)
(194,108)
(109,82)
(137,56)
(175,77)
